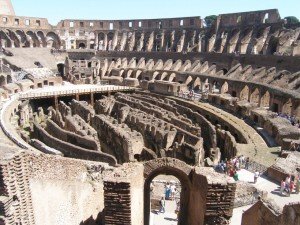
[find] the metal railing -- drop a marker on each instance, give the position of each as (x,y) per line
(72,92)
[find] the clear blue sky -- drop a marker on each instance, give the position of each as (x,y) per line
(56,10)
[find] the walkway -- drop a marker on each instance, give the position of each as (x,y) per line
(167,218)
(71,90)
(266,185)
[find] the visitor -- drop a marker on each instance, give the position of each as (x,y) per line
(162,204)
(235,176)
(292,186)
(167,191)
(297,184)
(247,163)
(282,187)
(256,175)
(287,188)
(173,191)
(288,179)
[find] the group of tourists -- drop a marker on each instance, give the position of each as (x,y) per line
(290,185)
(170,194)
(230,167)
(291,119)
(188,94)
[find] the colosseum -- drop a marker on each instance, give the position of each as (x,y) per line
(150,122)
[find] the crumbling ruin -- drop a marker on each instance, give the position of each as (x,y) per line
(93,110)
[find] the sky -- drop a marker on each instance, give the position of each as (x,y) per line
(56,10)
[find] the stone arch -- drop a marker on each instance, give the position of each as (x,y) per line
(81,45)
(224,88)
(92,40)
(245,44)
(42,38)
(102,41)
(216,88)
(265,100)
(5,40)
(287,107)
(2,80)
(197,85)
(266,18)
(225,71)
(164,76)
(33,39)
(255,96)
(273,45)
(13,36)
(244,94)
(23,38)
(9,79)
(53,40)
(110,40)
(174,167)
(172,77)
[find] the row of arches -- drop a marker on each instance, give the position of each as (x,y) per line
(27,39)
(176,41)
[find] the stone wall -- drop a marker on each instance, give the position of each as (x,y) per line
(264,214)
(47,189)
(70,150)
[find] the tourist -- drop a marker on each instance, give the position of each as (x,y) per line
(162,204)
(287,188)
(292,185)
(167,191)
(256,175)
(173,191)
(288,179)
(282,187)
(297,184)
(235,176)
(247,163)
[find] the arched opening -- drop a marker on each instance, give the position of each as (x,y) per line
(2,81)
(9,79)
(224,88)
(225,71)
(244,95)
(53,40)
(61,69)
(273,43)
(41,37)
(185,187)
(216,88)
(82,46)
(34,41)
(4,40)
(254,97)
(101,42)
(197,85)
(110,38)
(165,193)
(14,38)
(266,18)
(287,107)
(265,100)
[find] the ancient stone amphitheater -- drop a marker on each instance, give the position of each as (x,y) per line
(93,110)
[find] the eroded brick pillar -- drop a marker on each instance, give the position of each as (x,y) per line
(117,203)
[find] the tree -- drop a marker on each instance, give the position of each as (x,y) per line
(209,20)
(291,20)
